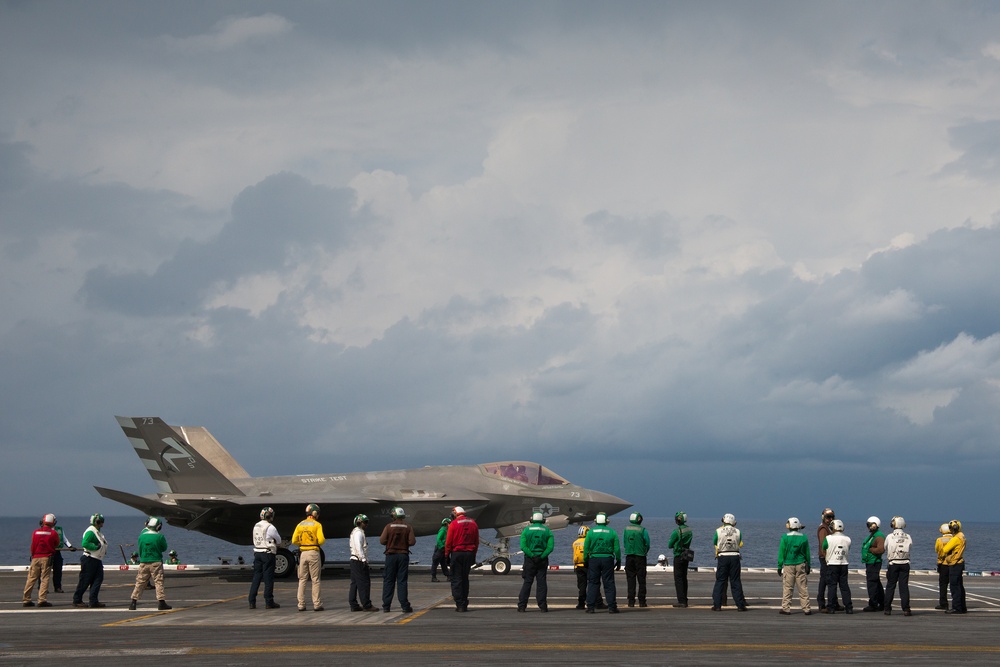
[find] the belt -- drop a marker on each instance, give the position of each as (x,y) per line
(263,551)
(729,553)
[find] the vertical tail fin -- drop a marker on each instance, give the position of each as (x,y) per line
(173,463)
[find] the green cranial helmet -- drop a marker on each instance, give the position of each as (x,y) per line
(398,513)
(154,523)
(96,519)
(360,519)
(680,517)
(312,509)
(267,514)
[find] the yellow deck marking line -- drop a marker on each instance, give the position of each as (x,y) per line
(640,648)
(435,605)
(131,619)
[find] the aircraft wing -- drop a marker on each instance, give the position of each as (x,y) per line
(146,505)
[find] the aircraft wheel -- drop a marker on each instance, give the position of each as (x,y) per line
(501,566)
(284,564)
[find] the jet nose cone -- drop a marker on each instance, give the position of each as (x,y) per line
(609,504)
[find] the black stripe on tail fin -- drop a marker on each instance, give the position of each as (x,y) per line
(171,461)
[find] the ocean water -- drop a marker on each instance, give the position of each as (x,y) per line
(760,542)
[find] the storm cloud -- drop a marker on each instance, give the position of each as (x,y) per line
(689,255)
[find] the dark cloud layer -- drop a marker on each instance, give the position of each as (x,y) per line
(637,246)
(270,220)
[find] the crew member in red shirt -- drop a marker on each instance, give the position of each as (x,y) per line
(44,542)
(460,549)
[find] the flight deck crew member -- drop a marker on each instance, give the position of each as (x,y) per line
(635,544)
(438,557)
(308,535)
(398,537)
(44,542)
(954,558)
(582,576)
(897,554)
(57,559)
(821,534)
(728,541)
(536,543)
(680,542)
(793,566)
(838,549)
(359,594)
(95,547)
(871,555)
(942,567)
(151,544)
(460,547)
(602,556)
(265,552)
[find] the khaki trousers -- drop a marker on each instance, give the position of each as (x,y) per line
(794,575)
(149,571)
(38,570)
(309,569)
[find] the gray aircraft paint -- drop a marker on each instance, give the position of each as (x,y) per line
(201,487)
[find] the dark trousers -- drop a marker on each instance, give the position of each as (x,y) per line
(943,577)
(821,593)
(461,565)
(728,569)
(681,580)
(534,569)
(395,579)
(582,579)
(439,559)
(91,576)
(263,570)
(359,594)
(873,581)
(601,571)
(897,574)
(955,580)
(635,574)
(836,577)
(57,563)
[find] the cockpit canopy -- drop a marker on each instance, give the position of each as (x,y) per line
(525,472)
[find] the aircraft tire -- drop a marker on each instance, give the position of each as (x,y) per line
(284,564)
(500,566)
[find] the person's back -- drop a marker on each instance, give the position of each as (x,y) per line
(537,541)
(635,540)
(838,549)
(308,534)
(602,541)
(463,535)
(151,546)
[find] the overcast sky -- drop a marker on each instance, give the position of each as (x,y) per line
(712,256)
